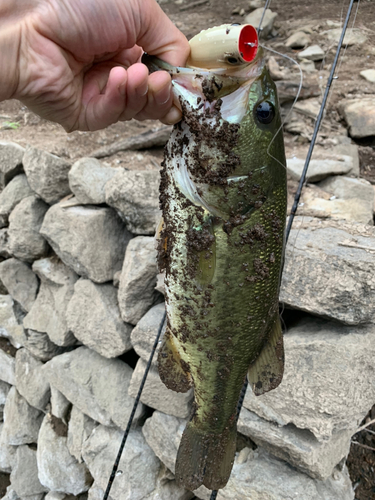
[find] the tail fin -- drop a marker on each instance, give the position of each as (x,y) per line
(205,458)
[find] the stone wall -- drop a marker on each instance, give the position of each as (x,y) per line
(79,313)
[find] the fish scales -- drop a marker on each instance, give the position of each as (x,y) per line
(223,196)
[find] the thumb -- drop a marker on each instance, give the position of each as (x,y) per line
(159,36)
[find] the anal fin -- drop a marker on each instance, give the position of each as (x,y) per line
(173,370)
(267,371)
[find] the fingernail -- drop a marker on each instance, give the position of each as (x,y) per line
(164,96)
(173,116)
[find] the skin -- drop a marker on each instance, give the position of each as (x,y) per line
(77,62)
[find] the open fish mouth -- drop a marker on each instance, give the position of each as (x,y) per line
(223,64)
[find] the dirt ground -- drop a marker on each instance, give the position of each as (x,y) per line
(19,125)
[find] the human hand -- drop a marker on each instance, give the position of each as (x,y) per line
(79,64)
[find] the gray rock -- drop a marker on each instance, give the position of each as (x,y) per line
(25,221)
(327,385)
(47,174)
(7,453)
(144,334)
(57,469)
(11,494)
(354,36)
(255,474)
(79,234)
(329,272)
(20,281)
(348,149)
(307,66)
(24,477)
(163,434)
(138,279)
(11,155)
(9,325)
(79,430)
(368,74)
(135,195)
(138,465)
(7,368)
(298,40)
(296,446)
(268,21)
(258,475)
(348,188)
(31,381)
(87,180)
(359,114)
(320,169)
(318,203)
(160,285)
(156,395)
(60,406)
(55,495)
(4,243)
(21,421)
(94,318)
(40,345)
(48,313)
(256,4)
(17,189)
(312,53)
(96,385)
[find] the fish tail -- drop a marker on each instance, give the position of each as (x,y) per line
(206,458)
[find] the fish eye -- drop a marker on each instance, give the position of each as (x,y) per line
(265,112)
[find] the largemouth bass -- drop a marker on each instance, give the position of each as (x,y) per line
(223,196)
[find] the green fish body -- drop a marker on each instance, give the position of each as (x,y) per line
(224,198)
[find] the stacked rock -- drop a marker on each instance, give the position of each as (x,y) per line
(79,313)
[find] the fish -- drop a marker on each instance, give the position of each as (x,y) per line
(223,196)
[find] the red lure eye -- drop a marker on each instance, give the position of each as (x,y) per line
(248,43)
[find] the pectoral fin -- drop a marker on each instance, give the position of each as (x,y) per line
(173,370)
(267,371)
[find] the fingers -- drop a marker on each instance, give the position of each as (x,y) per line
(127,94)
(159,36)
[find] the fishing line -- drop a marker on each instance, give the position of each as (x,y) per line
(317,124)
(136,402)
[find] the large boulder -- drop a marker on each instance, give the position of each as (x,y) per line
(17,189)
(57,469)
(47,174)
(24,477)
(48,313)
(96,385)
(139,466)
(330,270)
(31,381)
(21,421)
(328,385)
(138,279)
(79,430)
(94,318)
(41,346)
(7,368)
(25,242)
(135,195)
(87,180)
(20,281)
(79,234)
